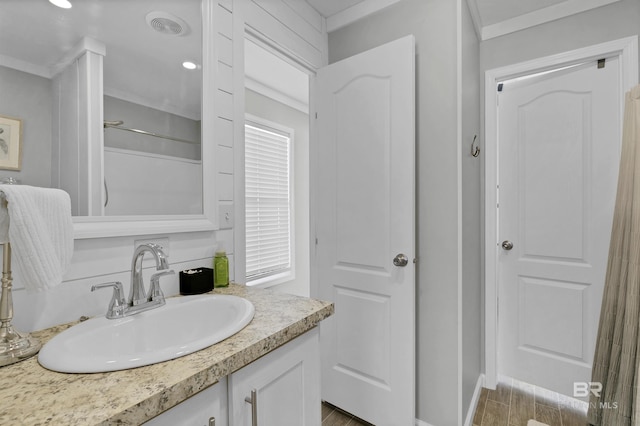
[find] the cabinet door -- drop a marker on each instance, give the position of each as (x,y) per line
(285,385)
(210,403)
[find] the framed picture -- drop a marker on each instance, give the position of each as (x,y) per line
(10,143)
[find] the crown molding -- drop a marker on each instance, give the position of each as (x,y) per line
(531,19)
(356,12)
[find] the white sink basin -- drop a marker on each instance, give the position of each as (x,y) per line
(182,326)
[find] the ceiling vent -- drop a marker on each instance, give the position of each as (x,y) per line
(167,23)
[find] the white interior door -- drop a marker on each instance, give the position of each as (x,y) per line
(559,146)
(365,217)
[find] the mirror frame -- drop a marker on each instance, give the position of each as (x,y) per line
(120,226)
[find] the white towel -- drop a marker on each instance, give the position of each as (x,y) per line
(37,222)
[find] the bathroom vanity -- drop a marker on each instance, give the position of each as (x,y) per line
(269,368)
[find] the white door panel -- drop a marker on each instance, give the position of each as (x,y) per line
(362,178)
(559,138)
(365,217)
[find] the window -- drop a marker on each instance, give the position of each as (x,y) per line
(268,202)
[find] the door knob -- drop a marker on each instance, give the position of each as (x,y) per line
(507,245)
(400,260)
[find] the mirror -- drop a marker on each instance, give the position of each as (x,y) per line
(146,114)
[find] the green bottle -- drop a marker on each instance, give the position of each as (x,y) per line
(220,269)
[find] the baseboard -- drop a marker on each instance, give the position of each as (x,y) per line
(472,406)
(474,401)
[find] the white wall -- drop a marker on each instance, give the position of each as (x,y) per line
(102,260)
(435,27)
(269,109)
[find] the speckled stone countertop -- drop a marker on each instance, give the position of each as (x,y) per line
(33,395)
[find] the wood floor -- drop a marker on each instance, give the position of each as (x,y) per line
(513,403)
(332,416)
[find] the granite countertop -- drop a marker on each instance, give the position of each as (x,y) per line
(33,395)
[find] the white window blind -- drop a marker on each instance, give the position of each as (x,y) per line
(268,203)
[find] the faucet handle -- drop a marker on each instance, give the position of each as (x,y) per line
(117,304)
(155,292)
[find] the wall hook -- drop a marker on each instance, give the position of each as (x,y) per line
(475,152)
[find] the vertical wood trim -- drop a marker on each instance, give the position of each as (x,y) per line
(314,288)
(459,151)
(238,36)
(209,108)
(95,134)
(227,4)
(225,168)
(223,21)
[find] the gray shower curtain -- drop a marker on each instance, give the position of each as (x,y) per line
(617,358)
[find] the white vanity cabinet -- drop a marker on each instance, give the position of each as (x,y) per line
(206,408)
(281,388)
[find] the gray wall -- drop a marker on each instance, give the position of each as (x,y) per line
(269,109)
(472,300)
(606,23)
(29,97)
(434,26)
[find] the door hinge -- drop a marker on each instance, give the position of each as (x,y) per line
(500,86)
(601,63)
(316,115)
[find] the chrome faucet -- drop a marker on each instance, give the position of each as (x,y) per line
(137,294)
(139,300)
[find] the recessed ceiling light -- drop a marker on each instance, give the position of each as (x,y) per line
(65,4)
(189,65)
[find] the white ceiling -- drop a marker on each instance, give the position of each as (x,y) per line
(332,7)
(141,65)
(34,36)
(495,11)
(340,13)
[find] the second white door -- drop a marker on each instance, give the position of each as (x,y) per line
(559,138)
